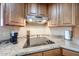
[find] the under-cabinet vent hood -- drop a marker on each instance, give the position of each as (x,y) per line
(37,19)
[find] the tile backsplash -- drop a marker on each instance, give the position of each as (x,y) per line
(59,31)
(34,29)
(4,33)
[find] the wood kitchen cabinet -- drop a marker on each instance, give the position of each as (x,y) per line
(32,9)
(37,9)
(53,21)
(55,52)
(62,14)
(25,9)
(66,52)
(14,14)
(67,14)
(77,14)
(43,9)
(0,14)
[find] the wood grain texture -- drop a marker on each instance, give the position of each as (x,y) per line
(62,15)
(52,15)
(55,52)
(43,9)
(69,53)
(40,9)
(14,14)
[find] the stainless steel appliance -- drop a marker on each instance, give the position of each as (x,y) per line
(37,19)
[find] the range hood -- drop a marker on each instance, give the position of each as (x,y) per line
(37,19)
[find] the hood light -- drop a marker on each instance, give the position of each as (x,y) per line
(30,20)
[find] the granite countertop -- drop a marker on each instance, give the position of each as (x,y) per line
(17,49)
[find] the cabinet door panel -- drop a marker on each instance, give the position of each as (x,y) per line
(32,9)
(14,14)
(7,14)
(69,53)
(0,14)
(67,13)
(54,52)
(77,13)
(25,9)
(61,14)
(17,11)
(43,9)
(53,14)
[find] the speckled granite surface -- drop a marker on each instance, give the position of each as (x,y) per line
(17,49)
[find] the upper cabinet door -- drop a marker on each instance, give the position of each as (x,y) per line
(43,9)
(53,21)
(77,13)
(67,14)
(37,9)
(0,14)
(32,9)
(25,9)
(62,14)
(14,14)
(16,11)
(2,11)
(61,17)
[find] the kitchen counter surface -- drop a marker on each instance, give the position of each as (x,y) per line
(17,49)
